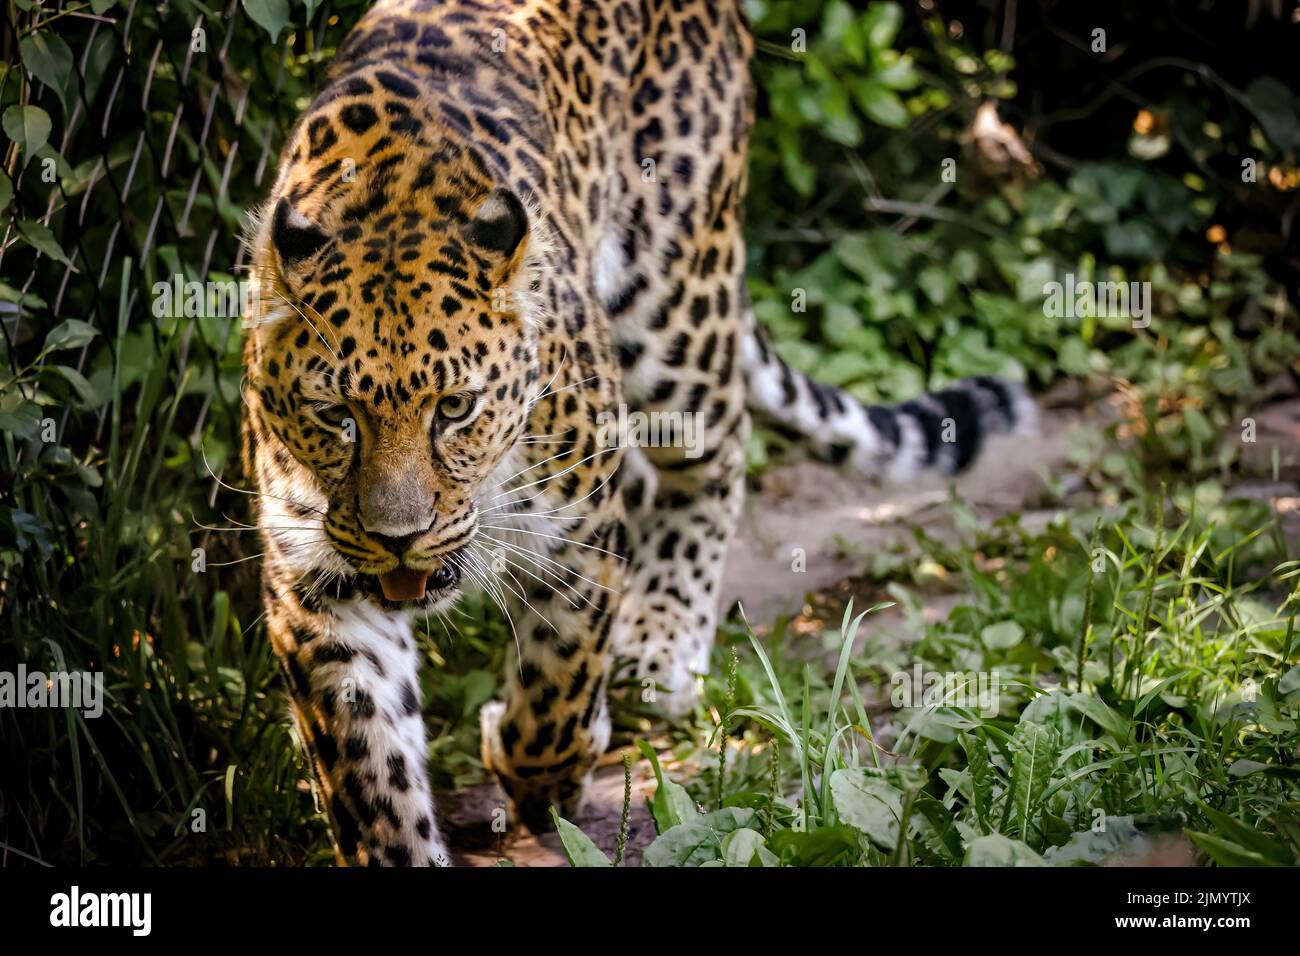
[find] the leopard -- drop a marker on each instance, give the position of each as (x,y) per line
(499,229)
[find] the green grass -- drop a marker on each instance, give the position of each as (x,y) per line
(1182,724)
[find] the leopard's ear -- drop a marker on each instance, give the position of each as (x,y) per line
(500,224)
(295,237)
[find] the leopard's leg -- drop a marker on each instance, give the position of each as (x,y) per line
(672,283)
(562,595)
(352,672)
(680,523)
(684,484)
(680,351)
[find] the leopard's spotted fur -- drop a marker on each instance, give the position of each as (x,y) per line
(496,222)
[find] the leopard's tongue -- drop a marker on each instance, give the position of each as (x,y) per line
(403,584)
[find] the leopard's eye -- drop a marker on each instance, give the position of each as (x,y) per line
(454,408)
(335,416)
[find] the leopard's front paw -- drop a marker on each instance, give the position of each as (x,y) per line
(531,800)
(669,680)
(534,785)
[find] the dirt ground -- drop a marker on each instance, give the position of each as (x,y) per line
(811,529)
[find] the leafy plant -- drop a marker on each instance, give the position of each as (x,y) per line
(1165,740)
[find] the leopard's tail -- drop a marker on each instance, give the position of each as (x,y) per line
(942,432)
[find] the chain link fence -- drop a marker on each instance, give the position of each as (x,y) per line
(136,137)
(140,134)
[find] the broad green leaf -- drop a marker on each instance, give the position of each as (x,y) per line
(997,850)
(899,74)
(50,61)
(40,238)
(825,846)
(1226,853)
(983,777)
(671,804)
(1151,695)
(844,367)
(1275,107)
(728,819)
(28,529)
(28,126)
(70,334)
(937,829)
(24,421)
(476,689)
(1001,636)
(697,841)
(799,173)
(6,190)
(1106,718)
(869,804)
(685,844)
(880,103)
(937,284)
(1034,747)
(270,15)
(1133,239)
(101,54)
(1248,837)
(1057,709)
(579,850)
(881,22)
(28,300)
(1244,768)
(90,397)
(740,846)
(965,265)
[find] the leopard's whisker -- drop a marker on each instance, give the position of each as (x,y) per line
(544,461)
(552,537)
(505,559)
(584,381)
(254,494)
(558,474)
(508,504)
(487,589)
(518,593)
(220,530)
(549,560)
(479,563)
(297,308)
(543,515)
(558,369)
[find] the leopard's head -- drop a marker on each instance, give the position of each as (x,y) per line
(395,356)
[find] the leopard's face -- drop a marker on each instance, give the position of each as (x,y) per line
(397,366)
